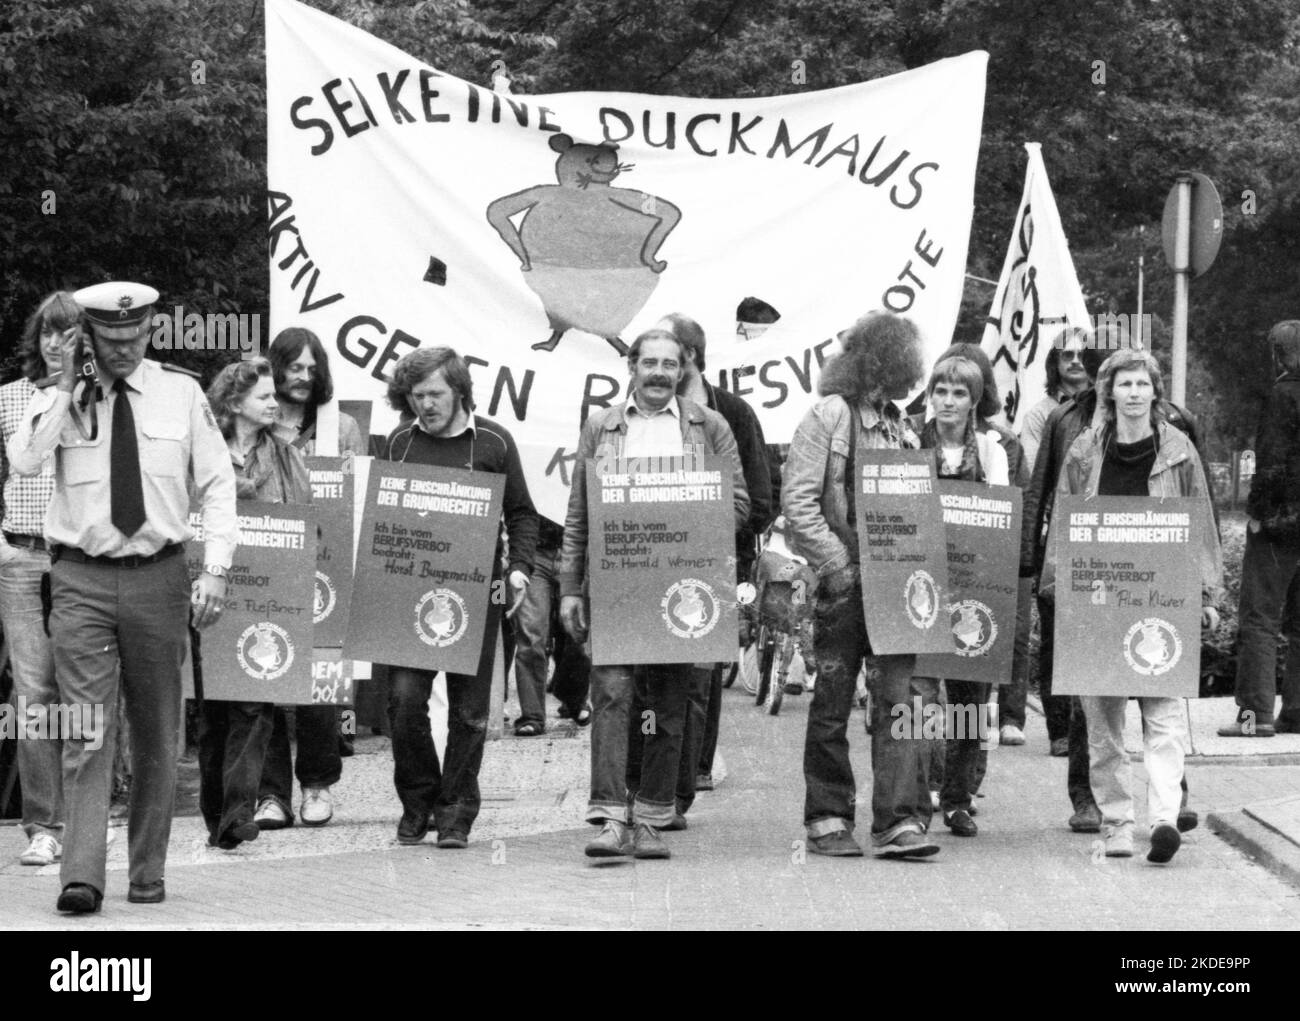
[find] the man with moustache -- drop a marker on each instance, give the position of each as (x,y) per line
(653,422)
(121,592)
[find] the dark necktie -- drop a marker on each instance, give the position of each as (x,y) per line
(124,469)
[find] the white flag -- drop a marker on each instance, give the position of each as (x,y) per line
(537,235)
(1038,294)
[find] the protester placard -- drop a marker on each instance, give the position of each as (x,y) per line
(900,549)
(1128,596)
(982,524)
(331,677)
(424,566)
(661,560)
(331,494)
(260,648)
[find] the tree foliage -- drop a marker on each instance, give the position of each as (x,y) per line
(161,177)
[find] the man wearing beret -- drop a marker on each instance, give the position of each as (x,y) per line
(124,447)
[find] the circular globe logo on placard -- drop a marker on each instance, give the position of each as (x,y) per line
(921,598)
(323,602)
(265,651)
(1152,647)
(690,608)
(440,617)
(973,627)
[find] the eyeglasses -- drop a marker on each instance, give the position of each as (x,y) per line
(1067,355)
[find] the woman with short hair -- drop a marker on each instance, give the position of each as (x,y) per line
(1133,451)
(966,451)
(233,736)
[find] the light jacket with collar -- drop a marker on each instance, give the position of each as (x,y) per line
(604,437)
(814,497)
(1177,472)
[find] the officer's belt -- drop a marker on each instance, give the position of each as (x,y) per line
(77,556)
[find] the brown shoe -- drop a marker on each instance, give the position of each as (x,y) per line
(647,843)
(611,842)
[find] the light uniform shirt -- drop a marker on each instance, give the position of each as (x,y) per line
(653,433)
(179,443)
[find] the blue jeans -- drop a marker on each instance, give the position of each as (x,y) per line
(532,636)
(900,768)
(1268,570)
(40,763)
(636,755)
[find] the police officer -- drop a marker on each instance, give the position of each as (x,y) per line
(120,588)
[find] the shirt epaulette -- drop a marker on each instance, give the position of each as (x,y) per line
(169,367)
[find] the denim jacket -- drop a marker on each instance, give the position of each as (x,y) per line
(603,437)
(1176,472)
(814,498)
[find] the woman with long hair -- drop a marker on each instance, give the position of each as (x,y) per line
(233,736)
(24,560)
(1134,451)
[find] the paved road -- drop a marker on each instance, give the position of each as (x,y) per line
(739,866)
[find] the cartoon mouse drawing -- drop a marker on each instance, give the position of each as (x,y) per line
(440,619)
(264,651)
(1152,646)
(587,249)
(921,603)
(968,629)
(690,608)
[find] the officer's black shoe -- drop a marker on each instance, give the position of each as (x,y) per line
(147,893)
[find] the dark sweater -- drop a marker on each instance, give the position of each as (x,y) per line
(753,461)
(1126,468)
(487,448)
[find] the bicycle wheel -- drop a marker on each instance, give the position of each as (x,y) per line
(766,653)
(747,667)
(784,652)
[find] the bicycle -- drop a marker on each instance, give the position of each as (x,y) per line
(786,585)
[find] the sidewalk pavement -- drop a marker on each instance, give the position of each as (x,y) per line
(742,864)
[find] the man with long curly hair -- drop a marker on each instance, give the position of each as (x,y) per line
(881,363)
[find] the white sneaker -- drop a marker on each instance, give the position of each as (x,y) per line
(1012,735)
(317,807)
(270,815)
(43,850)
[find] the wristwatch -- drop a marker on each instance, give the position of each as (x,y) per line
(216,570)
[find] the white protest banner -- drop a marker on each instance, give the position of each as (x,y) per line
(538,235)
(1038,294)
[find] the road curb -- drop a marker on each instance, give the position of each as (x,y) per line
(1263,845)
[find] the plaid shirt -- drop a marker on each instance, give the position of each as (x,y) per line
(25,499)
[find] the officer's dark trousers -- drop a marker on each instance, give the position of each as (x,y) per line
(111,623)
